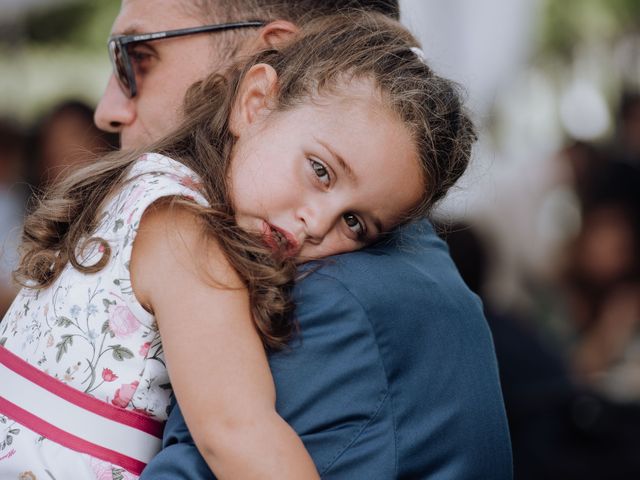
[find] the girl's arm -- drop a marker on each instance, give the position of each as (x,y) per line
(216,361)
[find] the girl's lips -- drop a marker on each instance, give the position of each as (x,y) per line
(282,241)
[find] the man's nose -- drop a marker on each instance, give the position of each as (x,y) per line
(115,110)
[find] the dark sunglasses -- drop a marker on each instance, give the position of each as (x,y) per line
(119,44)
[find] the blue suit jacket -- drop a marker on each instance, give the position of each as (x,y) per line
(393,376)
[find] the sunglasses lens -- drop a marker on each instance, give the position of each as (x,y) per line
(119,61)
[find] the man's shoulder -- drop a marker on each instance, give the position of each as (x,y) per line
(413,265)
(404,289)
(385,332)
(408,248)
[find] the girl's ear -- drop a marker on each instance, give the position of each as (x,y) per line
(254,97)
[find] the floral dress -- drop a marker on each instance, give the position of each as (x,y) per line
(90,332)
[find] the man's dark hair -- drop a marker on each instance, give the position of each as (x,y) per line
(296,11)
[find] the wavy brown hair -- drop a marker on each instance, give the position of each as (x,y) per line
(327,53)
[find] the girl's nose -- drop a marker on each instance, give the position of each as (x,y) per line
(317,221)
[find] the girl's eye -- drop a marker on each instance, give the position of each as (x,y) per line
(321,172)
(354,224)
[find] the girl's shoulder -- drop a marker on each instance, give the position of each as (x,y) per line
(150,178)
(156,164)
(154,175)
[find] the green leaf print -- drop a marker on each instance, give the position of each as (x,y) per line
(105,327)
(3,340)
(107,303)
(119,224)
(63,346)
(120,353)
(117,473)
(64,322)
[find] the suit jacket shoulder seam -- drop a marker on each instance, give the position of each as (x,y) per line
(387,388)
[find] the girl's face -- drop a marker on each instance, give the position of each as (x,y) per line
(325,177)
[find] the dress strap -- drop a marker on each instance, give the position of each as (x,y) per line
(75,419)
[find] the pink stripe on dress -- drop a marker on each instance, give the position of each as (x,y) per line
(87,402)
(68,440)
(75,419)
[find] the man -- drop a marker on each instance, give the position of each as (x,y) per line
(393,374)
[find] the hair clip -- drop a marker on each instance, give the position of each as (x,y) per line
(418,53)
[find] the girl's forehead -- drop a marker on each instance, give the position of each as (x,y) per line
(351,89)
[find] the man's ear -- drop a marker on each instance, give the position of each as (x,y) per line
(254,99)
(274,34)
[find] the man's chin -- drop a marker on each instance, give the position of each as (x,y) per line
(129,145)
(134,142)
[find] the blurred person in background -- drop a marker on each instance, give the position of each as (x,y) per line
(597,294)
(578,163)
(628,136)
(12,201)
(65,138)
(561,428)
(602,283)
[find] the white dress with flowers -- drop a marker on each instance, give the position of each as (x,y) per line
(90,332)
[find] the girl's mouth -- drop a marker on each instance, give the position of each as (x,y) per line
(279,240)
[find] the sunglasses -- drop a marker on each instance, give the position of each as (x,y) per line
(118,48)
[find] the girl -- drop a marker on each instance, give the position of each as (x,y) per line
(177,264)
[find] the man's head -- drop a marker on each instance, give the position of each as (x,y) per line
(166,68)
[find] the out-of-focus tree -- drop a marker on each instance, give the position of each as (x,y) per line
(51,51)
(78,24)
(571,23)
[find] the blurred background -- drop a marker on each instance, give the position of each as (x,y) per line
(545,226)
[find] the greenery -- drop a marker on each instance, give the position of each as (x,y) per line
(52,53)
(85,25)
(569,23)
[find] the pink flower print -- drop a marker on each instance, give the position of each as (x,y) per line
(191,183)
(6,456)
(107,471)
(122,321)
(124,394)
(144,349)
(102,470)
(108,375)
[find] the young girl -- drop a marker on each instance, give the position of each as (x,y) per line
(177,264)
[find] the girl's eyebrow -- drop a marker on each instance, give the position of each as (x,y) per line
(344,165)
